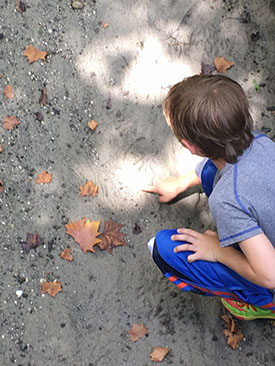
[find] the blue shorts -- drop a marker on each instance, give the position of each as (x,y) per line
(202,277)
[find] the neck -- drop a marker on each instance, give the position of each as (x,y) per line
(220,163)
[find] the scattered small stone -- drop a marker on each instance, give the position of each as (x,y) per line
(109,103)
(271,109)
(1,35)
(77,4)
(137,230)
(39,116)
(255,36)
(19,293)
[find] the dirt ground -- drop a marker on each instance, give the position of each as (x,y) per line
(114,61)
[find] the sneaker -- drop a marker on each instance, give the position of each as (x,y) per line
(244,311)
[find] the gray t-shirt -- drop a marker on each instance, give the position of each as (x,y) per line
(242,202)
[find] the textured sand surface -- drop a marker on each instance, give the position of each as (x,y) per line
(118,75)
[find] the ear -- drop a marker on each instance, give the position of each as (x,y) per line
(192,148)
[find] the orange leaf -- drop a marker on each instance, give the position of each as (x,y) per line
(105,25)
(10,122)
(66,254)
(222,64)
(1,148)
(92,125)
(111,236)
(159,353)
(137,331)
(52,288)
(44,177)
(34,54)
(84,233)
(8,92)
(1,186)
(89,189)
(234,335)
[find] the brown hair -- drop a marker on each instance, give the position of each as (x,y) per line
(211,112)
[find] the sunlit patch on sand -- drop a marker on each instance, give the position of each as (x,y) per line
(150,72)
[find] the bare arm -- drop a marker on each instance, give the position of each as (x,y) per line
(170,187)
(256,263)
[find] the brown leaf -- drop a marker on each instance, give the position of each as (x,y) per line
(84,233)
(234,335)
(137,331)
(10,122)
(21,7)
(43,100)
(1,76)
(159,353)
(89,189)
(207,69)
(66,254)
(234,339)
(222,64)
(44,177)
(111,236)
(34,54)
(1,148)
(105,25)
(92,125)
(32,242)
(8,92)
(52,288)
(1,186)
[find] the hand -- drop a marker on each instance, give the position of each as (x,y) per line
(205,246)
(168,188)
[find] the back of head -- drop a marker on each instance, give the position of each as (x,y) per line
(211,112)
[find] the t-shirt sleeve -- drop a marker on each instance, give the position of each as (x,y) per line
(233,224)
(199,167)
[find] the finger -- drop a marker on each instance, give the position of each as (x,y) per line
(190,232)
(183,237)
(184,248)
(192,258)
(149,189)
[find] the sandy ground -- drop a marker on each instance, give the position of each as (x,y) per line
(118,75)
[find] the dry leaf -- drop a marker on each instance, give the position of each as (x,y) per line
(137,230)
(105,25)
(52,288)
(111,236)
(39,116)
(43,100)
(89,189)
(10,122)
(66,254)
(234,335)
(222,64)
(137,331)
(84,233)
(92,125)
(44,177)
(1,186)
(1,76)
(8,92)
(21,7)
(159,353)
(1,148)
(34,54)
(32,242)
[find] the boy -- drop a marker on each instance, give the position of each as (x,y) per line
(210,117)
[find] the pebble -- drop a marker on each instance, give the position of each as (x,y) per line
(77,4)
(19,293)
